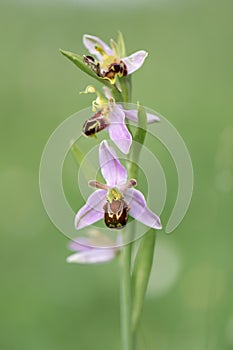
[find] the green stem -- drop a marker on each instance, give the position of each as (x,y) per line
(126,298)
(126,280)
(127,302)
(88,168)
(128,336)
(116,94)
(126,292)
(125,83)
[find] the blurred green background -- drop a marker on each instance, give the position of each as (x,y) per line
(48,304)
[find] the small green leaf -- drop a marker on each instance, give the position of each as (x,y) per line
(121,45)
(78,155)
(139,139)
(125,83)
(88,169)
(114,47)
(142,125)
(141,274)
(78,61)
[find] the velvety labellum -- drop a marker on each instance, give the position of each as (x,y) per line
(109,73)
(116,213)
(95,124)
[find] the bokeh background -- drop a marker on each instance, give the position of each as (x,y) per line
(48,304)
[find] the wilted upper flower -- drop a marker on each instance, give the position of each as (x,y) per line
(109,63)
(87,251)
(111,116)
(116,199)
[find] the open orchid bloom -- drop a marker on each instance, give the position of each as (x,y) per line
(108,63)
(111,116)
(116,199)
(86,252)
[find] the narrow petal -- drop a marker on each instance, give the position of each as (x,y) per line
(112,170)
(97,184)
(127,185)
(133,115)
(118,131)
(90,42)
(139,210)
(135,61)
(92,211)
(81,244)
(92,256)
(95,239)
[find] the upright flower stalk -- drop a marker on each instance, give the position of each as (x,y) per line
(116,199)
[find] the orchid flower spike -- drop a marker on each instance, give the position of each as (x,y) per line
(87,249)
(108,63)
(111,116)
(116,199)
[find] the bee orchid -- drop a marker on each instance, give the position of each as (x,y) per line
(111,116)
(108,63)
(116,199)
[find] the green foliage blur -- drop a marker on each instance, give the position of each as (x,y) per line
(47,304)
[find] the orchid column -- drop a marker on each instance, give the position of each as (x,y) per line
(117,199)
